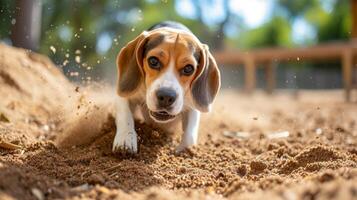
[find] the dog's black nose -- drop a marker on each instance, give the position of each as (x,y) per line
(166,97)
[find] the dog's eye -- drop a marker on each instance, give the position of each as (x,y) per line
(187,70)
(154,62)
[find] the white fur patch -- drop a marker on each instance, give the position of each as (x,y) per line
(190,125)
(167,80)
(125,137)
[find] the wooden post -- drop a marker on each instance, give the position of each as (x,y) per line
(250,77)
(347,63)
(270,77)
(354,18)
(354,35)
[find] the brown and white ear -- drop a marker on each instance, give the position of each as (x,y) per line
(206,85)
(129,64)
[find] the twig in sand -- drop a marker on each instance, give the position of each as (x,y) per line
(8,145)
(84,173)
(113,175)
(112,168)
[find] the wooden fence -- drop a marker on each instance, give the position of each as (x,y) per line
(346,52)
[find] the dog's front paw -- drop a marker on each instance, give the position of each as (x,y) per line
(183,146)
(126,141)
(180,148)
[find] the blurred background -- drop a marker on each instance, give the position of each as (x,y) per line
(83,37)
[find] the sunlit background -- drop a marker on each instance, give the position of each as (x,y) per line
(83,37)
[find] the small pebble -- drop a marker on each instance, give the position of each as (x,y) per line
(277,135)
(37,193)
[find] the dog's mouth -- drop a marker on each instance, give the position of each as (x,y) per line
(162,116)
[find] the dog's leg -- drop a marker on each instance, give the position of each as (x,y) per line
(190,125)
(125,137)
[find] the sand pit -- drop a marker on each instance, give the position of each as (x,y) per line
(250,147)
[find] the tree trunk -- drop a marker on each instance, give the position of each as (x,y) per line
(27,24)
(218,39)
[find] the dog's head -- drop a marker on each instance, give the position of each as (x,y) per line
(177,70)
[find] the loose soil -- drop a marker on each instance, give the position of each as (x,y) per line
(56,142)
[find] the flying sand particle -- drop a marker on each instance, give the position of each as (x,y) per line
(65,62)
(78,59)
(53,49)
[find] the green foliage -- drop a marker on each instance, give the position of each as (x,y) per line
(337,25)
(294,9)
(276,32)
(73,26)
(329,26)
(85,22)
(7,14)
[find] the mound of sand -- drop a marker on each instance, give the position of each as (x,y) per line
(31,90)
(38,100)
(251,147)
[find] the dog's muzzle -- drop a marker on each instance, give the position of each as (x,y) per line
(166,98)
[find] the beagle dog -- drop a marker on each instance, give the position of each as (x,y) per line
(165,75)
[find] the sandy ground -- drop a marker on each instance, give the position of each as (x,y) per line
(250,147)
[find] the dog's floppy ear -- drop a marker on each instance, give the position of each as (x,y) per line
(207,82)
(129,63)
